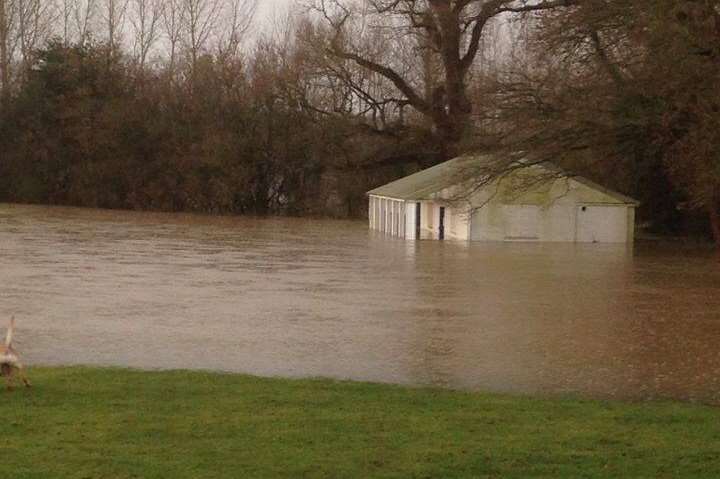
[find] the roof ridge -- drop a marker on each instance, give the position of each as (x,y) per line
(422,184)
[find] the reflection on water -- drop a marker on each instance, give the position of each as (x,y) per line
(298,297)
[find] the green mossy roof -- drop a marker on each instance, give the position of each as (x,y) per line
(423,184)
(426,183)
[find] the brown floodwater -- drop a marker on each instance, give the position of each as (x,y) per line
(306,297)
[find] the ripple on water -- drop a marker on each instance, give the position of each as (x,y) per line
(299,297)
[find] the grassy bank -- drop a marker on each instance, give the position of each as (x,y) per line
(92,423)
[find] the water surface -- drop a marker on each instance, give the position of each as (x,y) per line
(299,297)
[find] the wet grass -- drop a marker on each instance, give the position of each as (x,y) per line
(109,423)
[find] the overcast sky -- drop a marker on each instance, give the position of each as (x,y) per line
(266,8)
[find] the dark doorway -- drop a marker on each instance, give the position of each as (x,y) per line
(441,229)
(417,220)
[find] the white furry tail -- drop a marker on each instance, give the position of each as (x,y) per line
(9,335)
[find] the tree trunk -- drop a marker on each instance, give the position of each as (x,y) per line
(714,214)
(4,60)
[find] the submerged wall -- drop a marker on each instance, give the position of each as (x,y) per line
(560,210)
(387,215)
(566,210)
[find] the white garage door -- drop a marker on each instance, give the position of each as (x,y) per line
(601,224)
(522,222)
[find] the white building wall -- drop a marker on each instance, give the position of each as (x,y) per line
(378,213)
(388,216)
(410,212)
(430,214)
(372,213)
(557,218)
(547,216)
(457,223)
(558,221)
(391,217)
(601,224)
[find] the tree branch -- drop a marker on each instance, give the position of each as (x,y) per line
(494,8)
(413,98)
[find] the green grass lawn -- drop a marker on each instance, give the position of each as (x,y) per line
(110,423)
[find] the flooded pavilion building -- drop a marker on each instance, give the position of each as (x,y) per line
(459,199)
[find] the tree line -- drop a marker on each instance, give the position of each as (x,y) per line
(179,105)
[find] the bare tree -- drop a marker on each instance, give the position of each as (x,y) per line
(35,23)
(83,13)
(451,31)
(113,14)
(145,19)
(238,16)
(65,12)
(200,22)
(8,23)
(172,22)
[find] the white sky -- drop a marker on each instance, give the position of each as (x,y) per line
(268,8)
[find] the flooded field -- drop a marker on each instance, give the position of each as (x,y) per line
(299,297)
